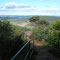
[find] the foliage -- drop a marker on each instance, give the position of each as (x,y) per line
(56,26)
(49,32)
(54,36)
(43,23)
(41,30)
(6,34)
(6,30)
(17,30)
(40,33)
(34,19)
(9,36)
(34,35)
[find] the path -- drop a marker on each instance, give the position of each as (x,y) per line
(42,53)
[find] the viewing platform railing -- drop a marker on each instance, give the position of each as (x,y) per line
(25,52)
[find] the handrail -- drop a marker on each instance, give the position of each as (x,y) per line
(21,50)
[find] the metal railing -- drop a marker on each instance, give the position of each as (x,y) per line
(25,52)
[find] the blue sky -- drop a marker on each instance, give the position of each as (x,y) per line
(30,7)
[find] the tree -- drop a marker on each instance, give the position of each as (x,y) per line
(43,23)
(6,30)
(42,31)
(6,36)
(9,38)
(34,19)
(54,35)
(56,26)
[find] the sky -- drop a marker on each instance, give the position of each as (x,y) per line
(30,7)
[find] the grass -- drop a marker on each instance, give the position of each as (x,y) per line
(29,27)
(15,22)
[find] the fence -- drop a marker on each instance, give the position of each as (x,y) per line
(25,52)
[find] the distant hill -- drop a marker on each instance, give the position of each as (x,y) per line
(19,19)
(51,19)
(12,16)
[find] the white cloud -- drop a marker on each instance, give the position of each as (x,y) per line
(10,5)
(15,5)
(51,10)
(43,0)
(25,9)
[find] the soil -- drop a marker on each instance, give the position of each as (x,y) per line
(42,53)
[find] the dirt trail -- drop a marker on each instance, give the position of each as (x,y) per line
(42,53)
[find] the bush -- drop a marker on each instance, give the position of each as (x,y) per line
(9,38)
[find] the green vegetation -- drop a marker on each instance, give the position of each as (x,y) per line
(43,23)
(43,28)
(51,19)
(10,39)
(18,20)
(49,33)
(34,19)
(29,27)
(55,35)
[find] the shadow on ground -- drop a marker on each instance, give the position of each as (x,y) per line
(41,53)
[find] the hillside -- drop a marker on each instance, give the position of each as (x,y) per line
(21,19)
(51,19)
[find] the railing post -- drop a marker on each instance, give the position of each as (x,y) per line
(58,42)
(29,44)
(33,44)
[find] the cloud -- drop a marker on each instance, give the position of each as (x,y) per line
(43,0)
(15,5)
(51,10)
(10,5)
(25,9)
